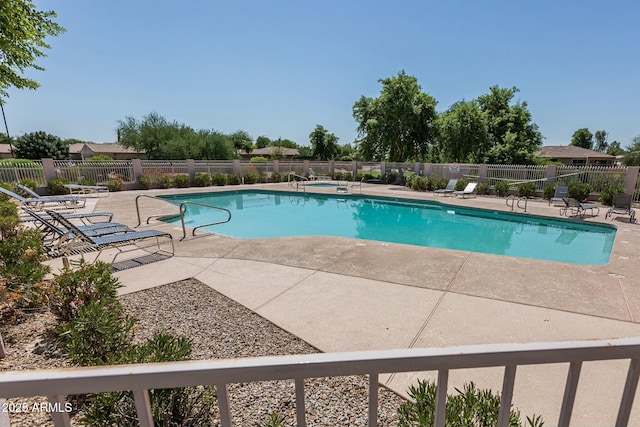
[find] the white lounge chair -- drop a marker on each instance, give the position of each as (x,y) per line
(469,190)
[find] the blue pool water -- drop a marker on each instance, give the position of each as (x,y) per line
(262,214)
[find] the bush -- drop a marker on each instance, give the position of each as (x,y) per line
(9,219)
(202,179)
(501,188)
(409,181)
(471,407)
(579,191)
(391,177)
(6,186)
(482,189)
(461,184)
(262,178)
(182,181)
(527,189)
(233,179)
(609,190)
(56,186)
(276,177)
(29,183)
(437,183)
(250,178)
(420,183)
(21,254)
(164,181)
(549,190)
(145,181)
(114,184)
(258,159)
(220,179)
(74,289)
(87,181)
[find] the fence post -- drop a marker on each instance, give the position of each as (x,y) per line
(483,172)
(427,169)
(631,179)
(49,169)
(236,168)
(551,173)
(191,169)
(136,164)
(276,166)
(383,169)
(354,169)
(332,167)
(305,168)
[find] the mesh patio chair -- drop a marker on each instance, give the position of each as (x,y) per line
(622,206)
(578,209)
(449,189)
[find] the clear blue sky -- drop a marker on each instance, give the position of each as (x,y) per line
(280,67)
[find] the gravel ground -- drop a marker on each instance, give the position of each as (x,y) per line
(219,328)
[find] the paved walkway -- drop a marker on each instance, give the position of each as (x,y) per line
(343,294)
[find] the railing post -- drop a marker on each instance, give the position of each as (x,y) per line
(58,413)
(441,398)
(301,420)
(551,173)
(629,393)
(483,172)
(507,395)
(223,405)
(305,168)
(191,169)
(136,164)
(49,169)
(236,167)
(143,408)
(569,394)
(427,169)
(354,169)
(332,167)
(631,179)
(373,400)
(276,166)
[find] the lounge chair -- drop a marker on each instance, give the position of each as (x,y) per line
(87,218)
(449,189)
(77,241)
(577,208)
(87,189)
(312,175)
(622,206)
(561,192)
(469,190)
(68,202)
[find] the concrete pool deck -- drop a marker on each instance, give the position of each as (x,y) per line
(342,294)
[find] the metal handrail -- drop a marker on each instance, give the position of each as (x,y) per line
(512,198)
(181,209)
(302,180)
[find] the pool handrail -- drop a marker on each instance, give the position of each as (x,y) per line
(302,179)
(182,210)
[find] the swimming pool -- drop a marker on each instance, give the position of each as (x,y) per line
(264,214)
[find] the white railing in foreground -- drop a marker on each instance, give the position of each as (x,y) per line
(56,383)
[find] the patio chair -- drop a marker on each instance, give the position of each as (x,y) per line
(622,206)
(87,218)
(312,175)
(87,189)
(469,190)
(578,209)
(77,242)
(52,233)
(451,186)
(68,202)
(561,192)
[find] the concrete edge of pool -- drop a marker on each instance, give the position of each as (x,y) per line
(347,294)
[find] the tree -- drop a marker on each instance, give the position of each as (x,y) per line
(22,35)
(464,133)
(323,143)
(614,149)
(144,136)
(582,138)
(513,137)
(262,141)
(399,124)
(601,141)
(40,145)
(241,141)
(632,157)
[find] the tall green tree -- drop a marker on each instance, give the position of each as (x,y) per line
(632,156)
(397,125)
(40,145)
(463,133)
(242,141)
(262,141)
(614,149)
(323,143)
(23,30)
(600,141)
(582,138)
(146,136)
(513,137)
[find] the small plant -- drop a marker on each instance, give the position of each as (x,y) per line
(276,177)
(527,189)
(461,184)
(114,184)
(202,179)
(29,183)
(220,179)
(420,183)
(21,254)
(579,191)
(258,159)
(164,181)
(250,178)
(145,181)
(56,186)
(482,189)
(609,190)
(181,181)
(87,181)
(233,179)
(471,407)
(274,420)
(409,181)
(501,188)
(549,190)
(437,183)
(391,177)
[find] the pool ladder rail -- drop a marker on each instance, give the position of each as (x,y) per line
(182,210)
(515,203)
(295,181)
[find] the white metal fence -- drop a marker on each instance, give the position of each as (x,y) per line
(55,384)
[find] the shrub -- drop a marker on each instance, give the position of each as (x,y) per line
(482,189)
(9,219)
(420,183)
(7,186)
(145,181)
(609,190)
(182,181)
(501,188)
(579,191)
(101,158)
(56,186)
(527,189)
(87,181)
(437,183)
(391,177)
(276,177)
(114,184)
(202,179)
(164,181)
(461,184)
(250,178)
(29,183)
(21,254)
(233,179)
(262,178)
(409,181)
(220,179)
(346,159)
(470,407)
(549,190)
(258,159)
(74,289)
